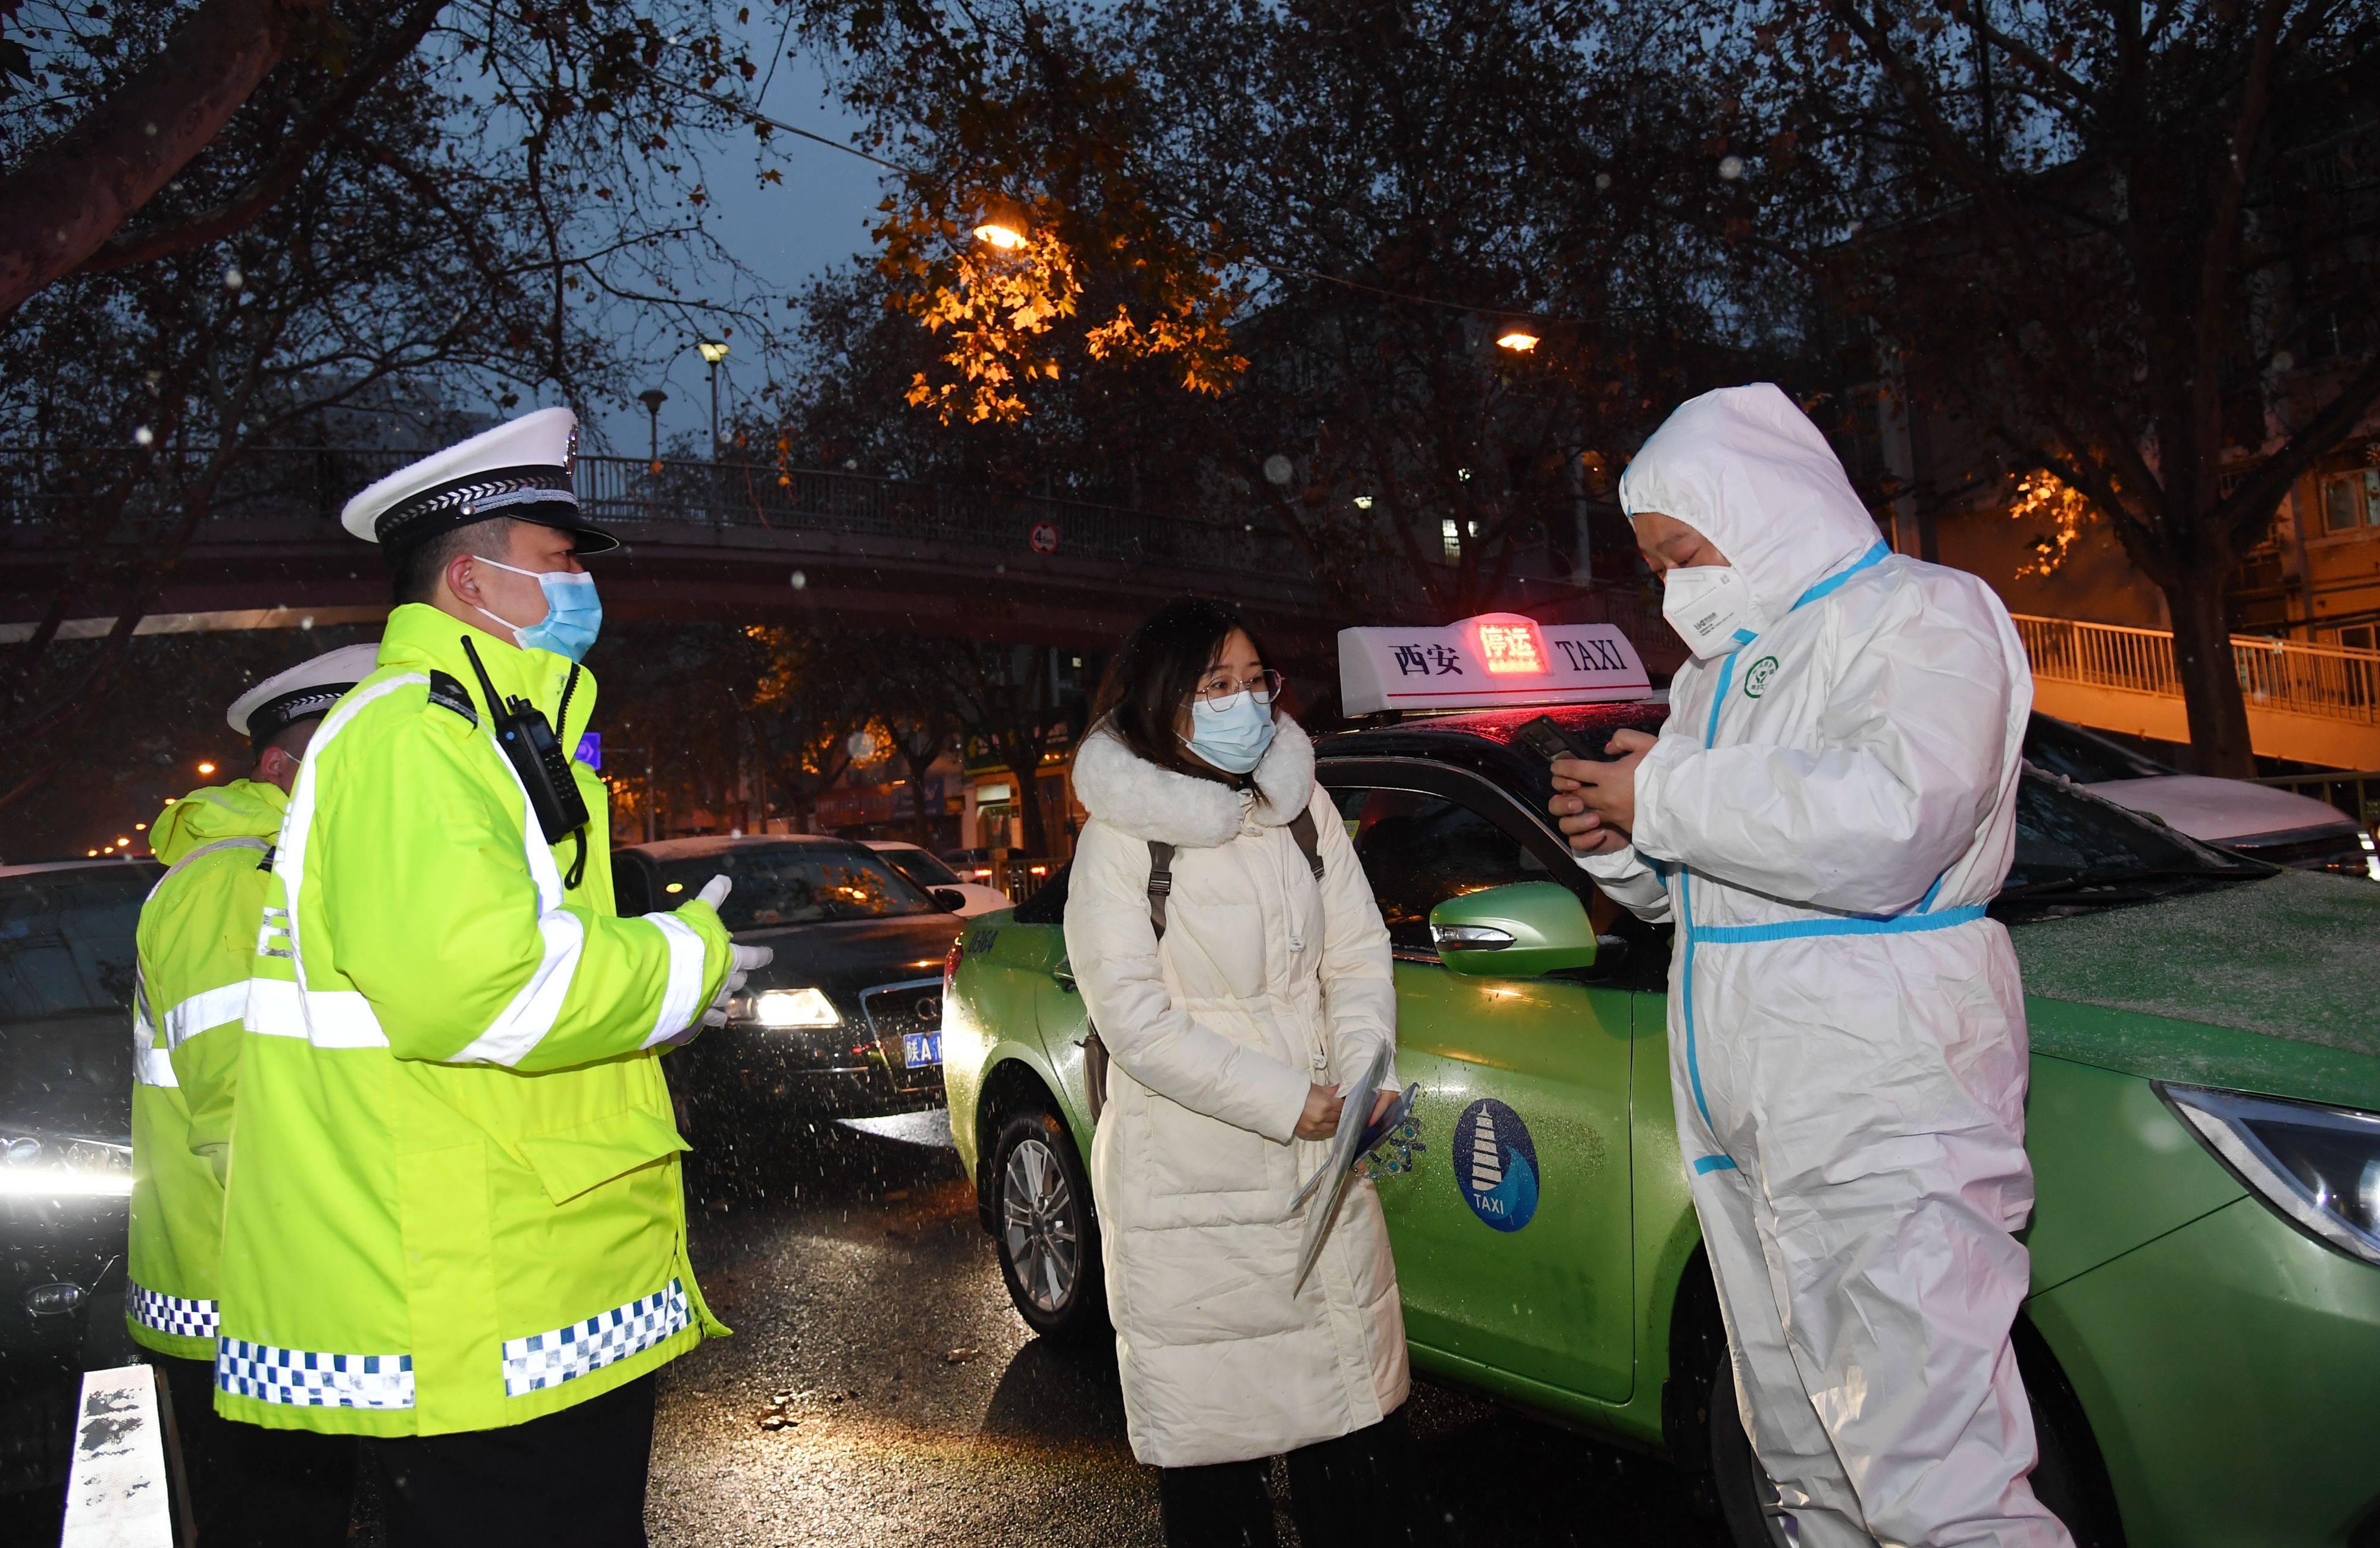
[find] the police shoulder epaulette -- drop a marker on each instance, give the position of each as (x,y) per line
(449,693)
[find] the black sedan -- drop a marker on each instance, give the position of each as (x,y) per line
(847,1020)
(65,1144)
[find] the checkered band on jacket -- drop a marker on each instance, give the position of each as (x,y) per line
(170,1315)
(306,1379)
(544,1359)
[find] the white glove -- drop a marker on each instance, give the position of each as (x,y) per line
(741,960)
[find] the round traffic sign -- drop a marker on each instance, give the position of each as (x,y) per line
(1044,537)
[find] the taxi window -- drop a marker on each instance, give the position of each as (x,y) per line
(1419,850)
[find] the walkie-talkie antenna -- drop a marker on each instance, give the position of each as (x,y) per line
(495,705)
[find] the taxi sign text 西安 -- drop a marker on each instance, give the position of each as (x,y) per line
(1481,663)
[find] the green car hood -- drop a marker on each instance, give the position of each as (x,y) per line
(2271,986)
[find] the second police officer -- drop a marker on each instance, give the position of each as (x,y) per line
(197,942)
(456,1225)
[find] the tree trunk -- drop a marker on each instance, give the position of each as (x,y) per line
(2210,680)
(69,196)
(1025,763)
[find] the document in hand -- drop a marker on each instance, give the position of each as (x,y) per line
(1347,1147)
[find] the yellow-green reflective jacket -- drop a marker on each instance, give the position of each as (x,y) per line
(197,944)
(454,1200)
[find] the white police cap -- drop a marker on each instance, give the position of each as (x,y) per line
(519,469)
(303,692)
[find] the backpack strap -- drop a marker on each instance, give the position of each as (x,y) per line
(1301,828)
(1161,882)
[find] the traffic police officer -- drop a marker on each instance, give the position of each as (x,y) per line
(197,938)
(454,1223)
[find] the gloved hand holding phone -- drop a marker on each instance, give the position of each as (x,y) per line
(1594,792)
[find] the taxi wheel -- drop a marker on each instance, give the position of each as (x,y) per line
(1047,1235)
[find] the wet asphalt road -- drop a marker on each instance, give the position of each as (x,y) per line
(880,1389)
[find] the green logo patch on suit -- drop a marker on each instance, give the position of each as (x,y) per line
(1755,681)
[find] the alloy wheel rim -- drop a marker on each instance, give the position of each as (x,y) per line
(1038,1228)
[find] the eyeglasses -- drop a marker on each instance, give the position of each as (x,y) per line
(1265,685)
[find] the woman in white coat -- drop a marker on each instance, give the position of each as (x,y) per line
(1228,1037)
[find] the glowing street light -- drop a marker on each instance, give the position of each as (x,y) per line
(1519,340)
(206,768)
(1004,226)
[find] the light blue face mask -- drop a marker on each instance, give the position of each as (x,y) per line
(574,614)
(1232,734)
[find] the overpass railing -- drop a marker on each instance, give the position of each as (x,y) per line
(39,489)
(279,495)
(2292,676)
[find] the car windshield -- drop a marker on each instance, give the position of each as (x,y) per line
(2054,747)
(66,940)
(2076,852)
(66,965)
(797,884)
(921,867)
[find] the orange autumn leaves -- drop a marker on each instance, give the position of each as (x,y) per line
(1000,311)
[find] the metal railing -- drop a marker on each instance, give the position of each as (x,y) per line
(284,494)
(2355,792)
(309,484)
(2332,681)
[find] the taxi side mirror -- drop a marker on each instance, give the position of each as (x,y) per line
(1521,931)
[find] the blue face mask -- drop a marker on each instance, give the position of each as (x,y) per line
(574,614)
(1232,734)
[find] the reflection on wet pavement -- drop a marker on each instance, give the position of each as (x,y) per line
(880,1389)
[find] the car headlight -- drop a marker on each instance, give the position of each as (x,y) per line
(2317,1167)
(795,1008)
(39,1163)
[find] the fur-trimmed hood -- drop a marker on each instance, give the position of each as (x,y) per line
(1135,798)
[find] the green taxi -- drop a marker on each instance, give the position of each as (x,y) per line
(2201,1342)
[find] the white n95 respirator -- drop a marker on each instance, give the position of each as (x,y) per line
(1712,608)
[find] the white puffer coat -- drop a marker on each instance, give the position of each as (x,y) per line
(1266,982)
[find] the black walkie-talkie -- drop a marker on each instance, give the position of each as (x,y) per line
(528,743)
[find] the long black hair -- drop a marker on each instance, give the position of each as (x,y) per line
(1157,672)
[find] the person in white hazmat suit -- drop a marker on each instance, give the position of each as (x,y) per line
(1825,814)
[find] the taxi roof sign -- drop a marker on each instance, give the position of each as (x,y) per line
(1485,663)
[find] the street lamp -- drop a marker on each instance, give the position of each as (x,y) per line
(714,351)
(652,398)
(1004,224)
(1518,339)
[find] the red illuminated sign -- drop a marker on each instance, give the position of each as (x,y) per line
(1510,647)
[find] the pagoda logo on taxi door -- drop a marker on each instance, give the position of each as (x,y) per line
(1496,1164)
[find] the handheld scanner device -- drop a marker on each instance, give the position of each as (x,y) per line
(536,755)
(1551,741)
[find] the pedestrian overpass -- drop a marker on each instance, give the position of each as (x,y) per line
(2306,703)
(758,543)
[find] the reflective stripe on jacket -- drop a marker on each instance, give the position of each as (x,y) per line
(197,938)
(454,1202)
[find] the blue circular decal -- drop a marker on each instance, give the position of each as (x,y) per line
(1496,1164)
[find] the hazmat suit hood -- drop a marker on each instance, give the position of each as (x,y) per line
(1746,469)
(244,809)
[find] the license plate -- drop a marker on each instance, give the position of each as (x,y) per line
(921,1048)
